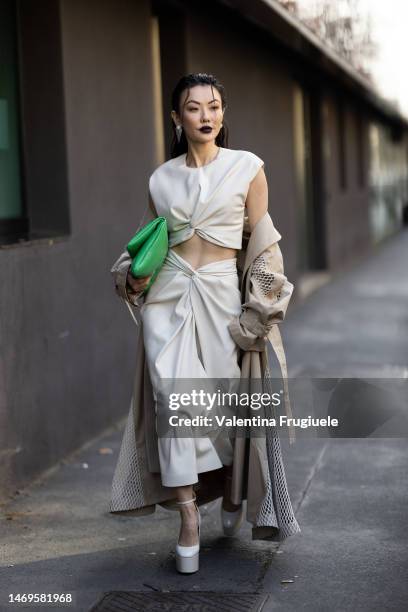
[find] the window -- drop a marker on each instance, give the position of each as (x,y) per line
(12,215)
(34,199)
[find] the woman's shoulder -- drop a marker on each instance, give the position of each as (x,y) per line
(244,156)
(248,162)
(247,155)
(170,164)
(165,172)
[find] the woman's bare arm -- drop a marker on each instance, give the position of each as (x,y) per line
(269,290)
(257,198)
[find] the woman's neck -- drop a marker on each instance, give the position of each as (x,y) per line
(201,155)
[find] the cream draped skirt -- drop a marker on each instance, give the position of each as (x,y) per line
(185,317)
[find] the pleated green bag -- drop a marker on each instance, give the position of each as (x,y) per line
(148,250)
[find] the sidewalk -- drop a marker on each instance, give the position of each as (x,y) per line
(350,496)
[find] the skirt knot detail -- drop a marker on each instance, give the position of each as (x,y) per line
(185,329)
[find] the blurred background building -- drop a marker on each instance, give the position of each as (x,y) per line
(85,91)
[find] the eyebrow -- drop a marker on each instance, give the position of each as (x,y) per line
(195,101)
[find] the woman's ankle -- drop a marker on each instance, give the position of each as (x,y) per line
(188,534)
(189,512)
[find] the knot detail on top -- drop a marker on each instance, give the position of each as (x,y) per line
(208,200)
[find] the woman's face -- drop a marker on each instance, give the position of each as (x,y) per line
(199,107)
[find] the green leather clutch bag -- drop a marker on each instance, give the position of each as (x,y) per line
(148,249)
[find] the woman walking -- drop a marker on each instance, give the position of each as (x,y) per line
(194,324)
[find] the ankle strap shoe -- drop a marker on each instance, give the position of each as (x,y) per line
(187,557)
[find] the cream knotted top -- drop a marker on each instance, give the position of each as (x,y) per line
(208,200)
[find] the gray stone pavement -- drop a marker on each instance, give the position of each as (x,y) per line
(350,495)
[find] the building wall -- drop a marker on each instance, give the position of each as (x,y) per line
(347,207)
(388,180)
(68,342)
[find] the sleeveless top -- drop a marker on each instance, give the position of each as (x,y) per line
(208,200)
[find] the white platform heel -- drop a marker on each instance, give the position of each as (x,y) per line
(187,557)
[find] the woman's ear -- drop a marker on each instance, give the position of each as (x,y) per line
(174,117)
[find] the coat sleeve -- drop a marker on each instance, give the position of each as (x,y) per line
(119,272)
(268,298)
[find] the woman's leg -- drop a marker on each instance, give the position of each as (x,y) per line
(189,517)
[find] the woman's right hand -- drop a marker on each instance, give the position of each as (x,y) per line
(137,284)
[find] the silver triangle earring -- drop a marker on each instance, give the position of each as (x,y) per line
(179,130)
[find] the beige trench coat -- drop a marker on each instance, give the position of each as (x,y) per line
(258,470)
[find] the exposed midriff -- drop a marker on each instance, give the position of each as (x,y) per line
(198,252)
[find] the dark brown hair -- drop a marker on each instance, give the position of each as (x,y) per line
(186,82)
